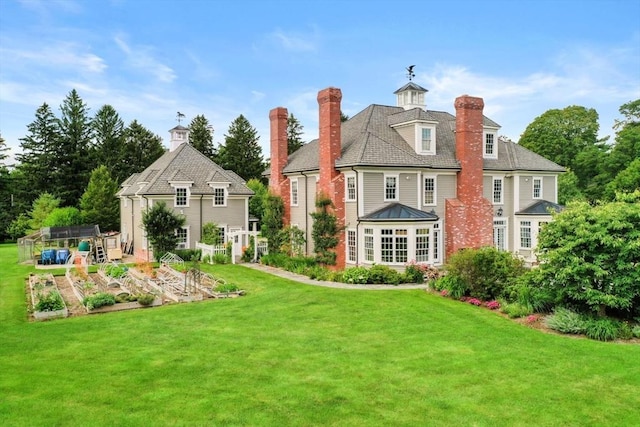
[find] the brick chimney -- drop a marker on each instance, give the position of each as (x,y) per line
(331,181)
(278,182)
(469,217)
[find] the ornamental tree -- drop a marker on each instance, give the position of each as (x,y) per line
(161,223)
(590,256)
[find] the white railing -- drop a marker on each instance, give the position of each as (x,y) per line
(212,250)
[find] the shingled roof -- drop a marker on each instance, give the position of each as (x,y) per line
(368,139)
(186,165)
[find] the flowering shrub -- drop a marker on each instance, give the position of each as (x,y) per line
(474,301)
(444,293)
(532,318)
(493,305)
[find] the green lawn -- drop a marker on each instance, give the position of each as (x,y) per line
(292,354)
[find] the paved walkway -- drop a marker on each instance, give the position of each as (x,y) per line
(304,279)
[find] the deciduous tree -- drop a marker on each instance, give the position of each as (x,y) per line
(161,223)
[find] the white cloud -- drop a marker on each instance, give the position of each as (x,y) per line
(296,42)
(61,55)
(140,58)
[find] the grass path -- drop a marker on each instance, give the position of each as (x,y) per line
(292,354)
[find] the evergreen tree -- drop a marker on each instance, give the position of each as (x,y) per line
(73,154)
(37,162)
(241,152)
(201,136)
(141,148)
(108,132)
(258,200)
(272,221)
(6,198)
(294,134)
(99,204)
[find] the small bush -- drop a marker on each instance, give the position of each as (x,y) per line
(602,328)
(219,258)
(356,275)
(50,302)
(189,254)
(99,300)
(382,274)
(485,272)
(624,331)
(453,284)
(146,299)
(317,273)
(474,301)
(414,273)
(566,321)
(493,305)
(227,287)
(516,310)
(636,331)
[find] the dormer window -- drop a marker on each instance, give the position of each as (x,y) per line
(426,140)
(489,148)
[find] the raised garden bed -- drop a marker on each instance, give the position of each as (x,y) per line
(47,302)
(101,293)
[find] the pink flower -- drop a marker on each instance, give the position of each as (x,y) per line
(444,293)
(493,305)
(532,318)
(474,301)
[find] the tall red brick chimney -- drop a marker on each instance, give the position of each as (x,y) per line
(469,217)
(278,182)
(331,181)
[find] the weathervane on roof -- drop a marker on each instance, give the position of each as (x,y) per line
(180,116)
(410,73)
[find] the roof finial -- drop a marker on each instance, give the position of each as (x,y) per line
(180,116)
(410,73)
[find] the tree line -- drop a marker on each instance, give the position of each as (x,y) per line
(60,153)
(596,168)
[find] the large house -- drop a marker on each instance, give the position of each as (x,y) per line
(411,184)
(190,184)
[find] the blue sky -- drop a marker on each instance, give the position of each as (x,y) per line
(150,59)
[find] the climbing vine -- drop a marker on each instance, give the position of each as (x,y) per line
(326,230)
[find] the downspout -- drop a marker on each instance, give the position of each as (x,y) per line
(146,208)
(358,219)
(201,197)
(132,224)
(306,214)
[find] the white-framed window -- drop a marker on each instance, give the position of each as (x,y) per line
(500,234)
(429,190)
(368,244)
(351,245)
(294,192)
(497,190)
(394,245)
(351,189)
(183,237)
(525,234)
(437,243)
(181,199)
(422,245)
(537,187)
(390,188)
(222,234)
(219,196)
(489,148)
(426,140)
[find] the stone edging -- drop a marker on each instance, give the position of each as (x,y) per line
(305,280)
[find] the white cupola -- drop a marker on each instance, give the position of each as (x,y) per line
(411,96)
(179,135)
